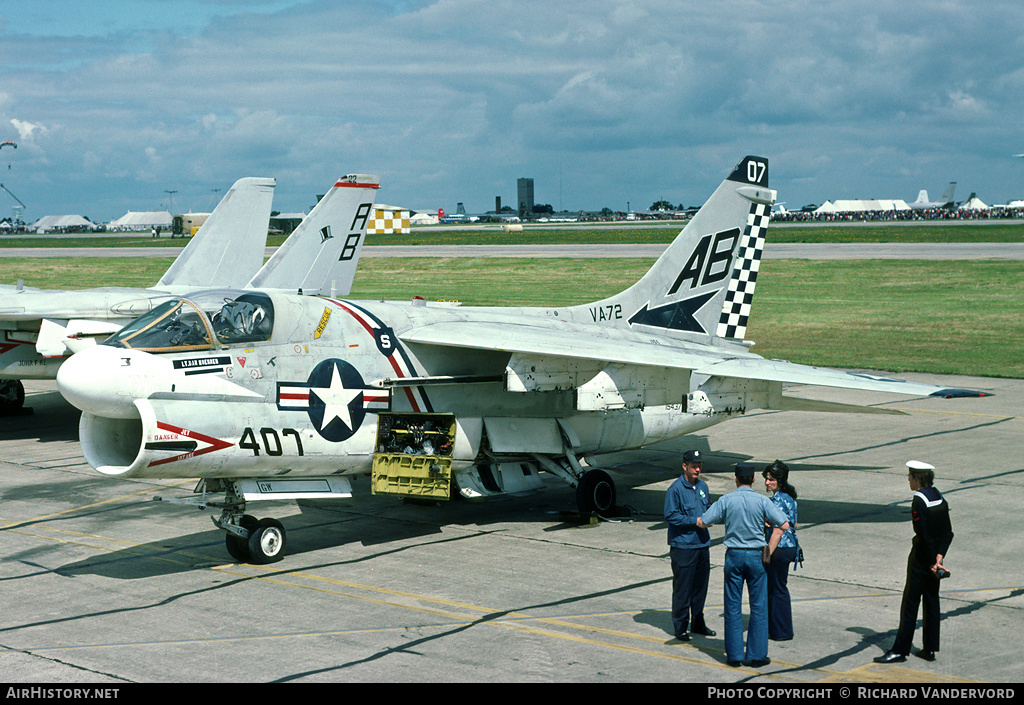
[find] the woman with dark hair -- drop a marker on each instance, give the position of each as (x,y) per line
(780,612)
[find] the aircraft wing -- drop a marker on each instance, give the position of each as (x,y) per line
(637,349)
(565,341)
(782,371)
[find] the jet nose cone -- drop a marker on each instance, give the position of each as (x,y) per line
(104,381)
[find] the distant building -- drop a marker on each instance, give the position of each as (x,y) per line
(285,223)
(388,220)
(524,187)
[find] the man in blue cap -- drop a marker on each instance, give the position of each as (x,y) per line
(689,547)
(745,514)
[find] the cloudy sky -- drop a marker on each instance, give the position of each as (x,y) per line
(603,103)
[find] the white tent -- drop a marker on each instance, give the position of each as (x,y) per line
(53,222)
(138,220)
(423,219)
(974,204)
(861,206)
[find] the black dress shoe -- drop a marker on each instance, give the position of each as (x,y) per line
(925,654)
(704,631)
(735,664)
(758,663)
(682,637)
(890,657)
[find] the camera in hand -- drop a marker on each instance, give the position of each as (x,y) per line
(941,573)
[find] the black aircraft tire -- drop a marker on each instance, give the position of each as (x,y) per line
(595,493)
(236,545)
(238,548)
(267,543)
(12,395)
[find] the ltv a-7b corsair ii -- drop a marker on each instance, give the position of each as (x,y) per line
(39,329)
(43,328)
(432,399)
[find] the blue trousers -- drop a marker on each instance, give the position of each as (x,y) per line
(745,566)
(691,568)
(780,611)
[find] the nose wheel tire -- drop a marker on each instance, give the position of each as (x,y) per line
(236,545)
(267,542)
(595,493)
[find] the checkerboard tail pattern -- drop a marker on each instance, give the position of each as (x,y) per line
(388,222)
(740,295)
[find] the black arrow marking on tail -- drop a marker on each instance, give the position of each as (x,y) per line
(674,316)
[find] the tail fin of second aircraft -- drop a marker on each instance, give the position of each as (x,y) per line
(703,284)
(947,195)
(321,256)
(231,244)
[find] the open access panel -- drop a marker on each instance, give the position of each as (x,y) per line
(413,457)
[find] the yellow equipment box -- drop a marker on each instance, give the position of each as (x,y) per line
(412,475)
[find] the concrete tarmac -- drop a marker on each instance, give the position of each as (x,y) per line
(102,585)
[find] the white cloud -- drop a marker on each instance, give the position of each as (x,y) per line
(26,130)
(452,100)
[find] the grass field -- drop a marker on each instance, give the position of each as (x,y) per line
(971,231)
(959,317)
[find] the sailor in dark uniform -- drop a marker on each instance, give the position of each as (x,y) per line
(932,535)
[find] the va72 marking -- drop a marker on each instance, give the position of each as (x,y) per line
(612,312)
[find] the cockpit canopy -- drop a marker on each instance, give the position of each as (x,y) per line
(194,323)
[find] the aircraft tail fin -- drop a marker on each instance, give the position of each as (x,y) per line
(703,284)
(947,196)
(231,244)
(321,256)
(922,196)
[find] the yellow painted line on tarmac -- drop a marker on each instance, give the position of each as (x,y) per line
(95,504)
(887,673)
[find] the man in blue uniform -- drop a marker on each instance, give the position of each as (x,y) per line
(746,513)
(690,547)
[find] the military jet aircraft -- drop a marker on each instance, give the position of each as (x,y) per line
(311,260)
(946,201)
(434,400)
(40,329)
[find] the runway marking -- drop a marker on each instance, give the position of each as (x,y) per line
(510,619)
(887,673)
(94,504)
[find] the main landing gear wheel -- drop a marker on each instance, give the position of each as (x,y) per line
(236,545)
(595,493)
(267,542)
(12,396)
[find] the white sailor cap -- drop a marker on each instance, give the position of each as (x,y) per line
(918,465)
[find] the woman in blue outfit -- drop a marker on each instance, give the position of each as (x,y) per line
(780,612)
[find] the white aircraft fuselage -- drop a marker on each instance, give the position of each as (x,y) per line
(265,394)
